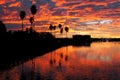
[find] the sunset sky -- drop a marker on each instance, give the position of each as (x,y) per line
(98,18)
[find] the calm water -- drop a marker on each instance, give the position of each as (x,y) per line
(100,61)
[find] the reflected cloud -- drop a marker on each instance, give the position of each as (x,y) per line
(99,61)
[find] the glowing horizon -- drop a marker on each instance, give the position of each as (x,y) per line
(97,18)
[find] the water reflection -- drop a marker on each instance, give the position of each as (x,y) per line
(101,61)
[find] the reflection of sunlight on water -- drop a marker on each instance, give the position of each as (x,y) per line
(100,61)
(91,56)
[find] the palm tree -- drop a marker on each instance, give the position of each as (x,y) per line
(31,20)
(60,26)
(61,30)
(33,10)
(51,27)
(22,16)
(2,28)
(66,29)
(54,28)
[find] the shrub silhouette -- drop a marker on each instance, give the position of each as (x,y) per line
(2,28)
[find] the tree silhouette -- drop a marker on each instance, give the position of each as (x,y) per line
(31,20)
(66,29)
(51,27)
(33,10)
(22,16)
(2,27)
(54,28)
(60,26)
(61,30)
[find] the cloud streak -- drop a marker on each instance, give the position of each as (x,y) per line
(80,15)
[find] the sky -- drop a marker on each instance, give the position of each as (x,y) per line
(98,18)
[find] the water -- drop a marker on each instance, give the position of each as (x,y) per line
(100,61)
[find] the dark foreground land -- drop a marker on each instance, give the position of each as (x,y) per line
(18,47)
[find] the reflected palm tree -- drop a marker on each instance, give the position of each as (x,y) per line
(61,55)
(66,57)
(54,60)
(33,70)
(38,76)
(22,16)
(23,75)
(51,61)
(60,64)
(7,76)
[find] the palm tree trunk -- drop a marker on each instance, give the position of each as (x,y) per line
(33,22)
(54,33)
(66,34)
(22,25)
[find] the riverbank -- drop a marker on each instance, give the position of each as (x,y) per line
(19,47)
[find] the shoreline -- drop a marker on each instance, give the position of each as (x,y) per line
(20,47)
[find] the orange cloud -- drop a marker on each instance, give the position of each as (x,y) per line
(2,2)
(16,4)
(33,1)
(72,13)
(59,2)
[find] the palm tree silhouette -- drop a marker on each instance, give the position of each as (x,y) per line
(60,26)
(31,21)
(33,10)
(61,30)
(22,16)
(2,28)
(66,29)
(51,27)
(54,28)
